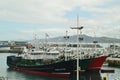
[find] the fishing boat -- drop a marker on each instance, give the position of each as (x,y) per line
(50,63)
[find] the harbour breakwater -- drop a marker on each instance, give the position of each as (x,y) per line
(113,62)
(10,51)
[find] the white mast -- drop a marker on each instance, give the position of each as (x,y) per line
(36,42)
(45,46)
(66,38)
(95,43)
(78,28)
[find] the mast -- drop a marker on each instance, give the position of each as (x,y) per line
(78,30)
(45,46)
(36,42)
(114,47)
(95,43)
(66,44)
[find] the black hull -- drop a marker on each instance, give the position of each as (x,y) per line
(55,67)
(63,66)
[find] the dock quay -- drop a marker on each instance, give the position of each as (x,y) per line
(113,62)
(12,47)
(10,51)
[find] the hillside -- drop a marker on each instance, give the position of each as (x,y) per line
(86,39)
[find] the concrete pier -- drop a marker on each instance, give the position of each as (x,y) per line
(114,62)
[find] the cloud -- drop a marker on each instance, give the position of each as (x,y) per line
(53,32)
(51,14)
(41,11)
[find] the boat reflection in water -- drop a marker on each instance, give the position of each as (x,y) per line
(92,74)
(84,75)
(87,75)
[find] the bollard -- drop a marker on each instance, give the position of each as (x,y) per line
(104,77)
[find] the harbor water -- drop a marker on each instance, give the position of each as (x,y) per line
(8,74)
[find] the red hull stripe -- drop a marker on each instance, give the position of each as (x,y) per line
(96,63)
(48,74)
(107,71)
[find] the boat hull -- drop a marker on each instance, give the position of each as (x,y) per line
(59,68)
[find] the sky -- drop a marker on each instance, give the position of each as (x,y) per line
(22,19)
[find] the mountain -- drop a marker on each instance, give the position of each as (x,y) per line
(86,39)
